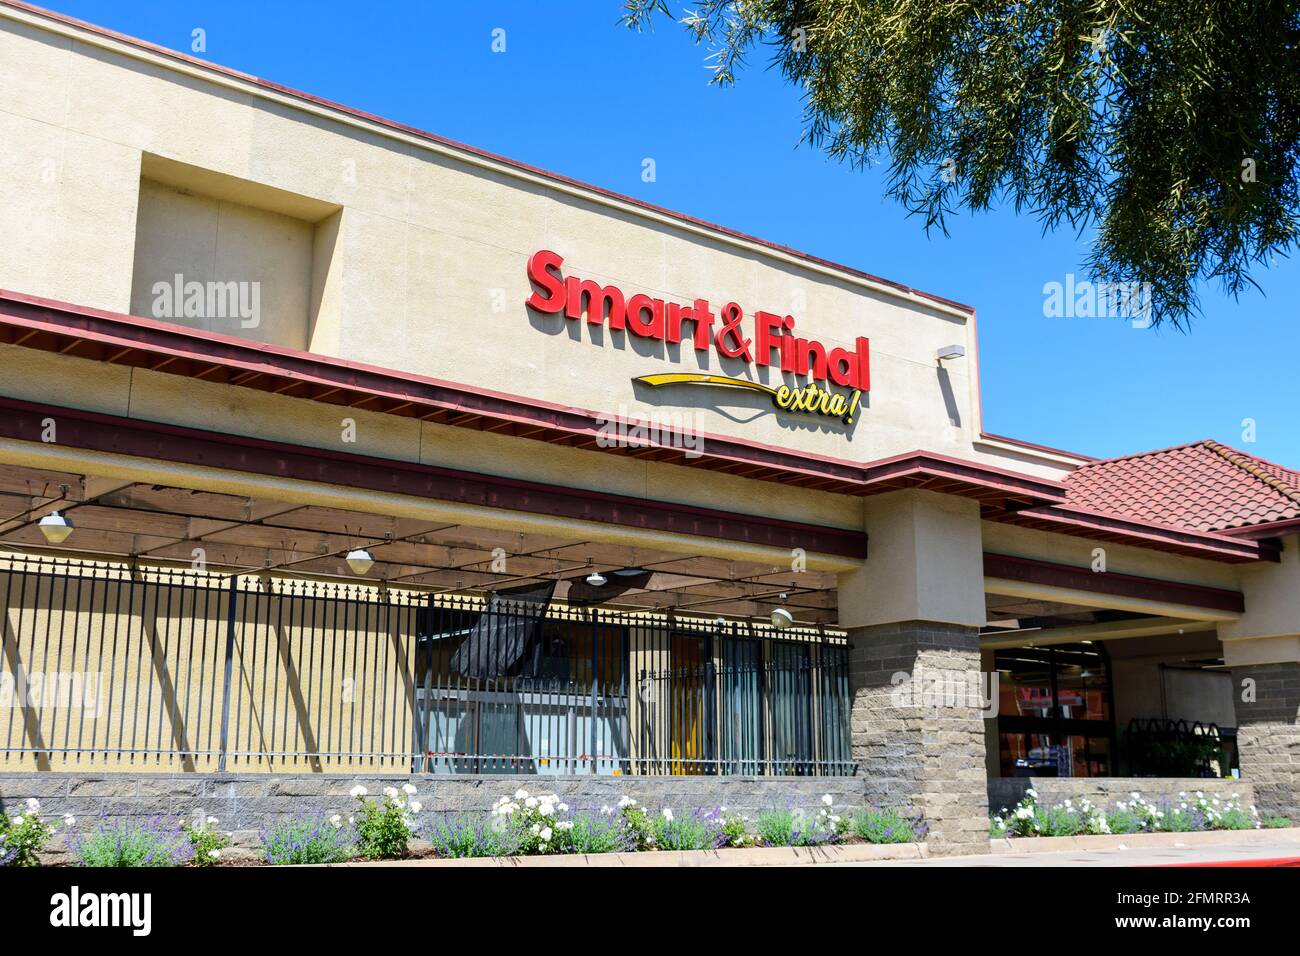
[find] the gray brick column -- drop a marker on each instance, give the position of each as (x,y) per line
(927,759)
(1268,736)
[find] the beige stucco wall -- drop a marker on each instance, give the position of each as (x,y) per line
(1078,552)
(924,564)
(423,267)
(204,239)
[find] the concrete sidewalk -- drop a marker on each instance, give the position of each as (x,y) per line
(1238,853)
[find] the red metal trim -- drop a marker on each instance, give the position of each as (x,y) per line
(108,433)
(1050,574)
(1271,529)
(483,154)
(914,468)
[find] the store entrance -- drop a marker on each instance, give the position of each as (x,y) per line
(1056,712)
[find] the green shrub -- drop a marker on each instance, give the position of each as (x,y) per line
(734,830)
(135,845)
(385,826)
(24,835)
(1122,821)
(470,836)
(598,834)
(636,823)
(776,827)
(884,826)
(1275,823)
(315,840)
(204,839)
(1060,820)
(796,828)
(687,832)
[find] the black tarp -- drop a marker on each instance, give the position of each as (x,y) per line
(506,632)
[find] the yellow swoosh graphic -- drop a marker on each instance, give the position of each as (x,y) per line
(698,378)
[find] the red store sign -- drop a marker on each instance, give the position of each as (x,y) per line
(771,340)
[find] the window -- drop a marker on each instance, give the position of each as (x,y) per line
(1055,717)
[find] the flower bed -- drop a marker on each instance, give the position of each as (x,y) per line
(523,824)
(1188,814)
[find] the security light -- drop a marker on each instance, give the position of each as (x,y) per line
(950,352)
(360,561)
(55,527)
(596,579)
(781,619)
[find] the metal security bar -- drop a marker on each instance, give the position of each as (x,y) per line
(115,667)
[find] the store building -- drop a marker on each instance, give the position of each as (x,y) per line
(329,448)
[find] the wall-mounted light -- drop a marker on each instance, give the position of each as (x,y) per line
(360,560)
(55,527)
(950,352)
(781,618)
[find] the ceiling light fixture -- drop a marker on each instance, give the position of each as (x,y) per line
(360,560)
(55,527)
(781,618)
(596,579)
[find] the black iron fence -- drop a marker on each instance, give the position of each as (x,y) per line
(1159,747)
(106,666)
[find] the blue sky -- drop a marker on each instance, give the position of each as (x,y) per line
(732,156)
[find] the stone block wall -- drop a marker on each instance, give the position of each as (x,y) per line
(928,758)
(1268,735)
(247,803)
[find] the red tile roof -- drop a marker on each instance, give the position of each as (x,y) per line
(1203,486)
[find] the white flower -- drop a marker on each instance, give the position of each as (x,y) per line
(827,801)
(530,802)
(33,805)
(416,806)
(69,820)
(18,821)
(606,810)
(564,825)
(722,809)
(213,821)
(563,808)
(408,789)
(545,834)
(668,814)
(535,829)
(358,791)
(1031,792)
(336,820)
(390,793)
(626,801)
(521,794)
(215,854)
(351,820)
